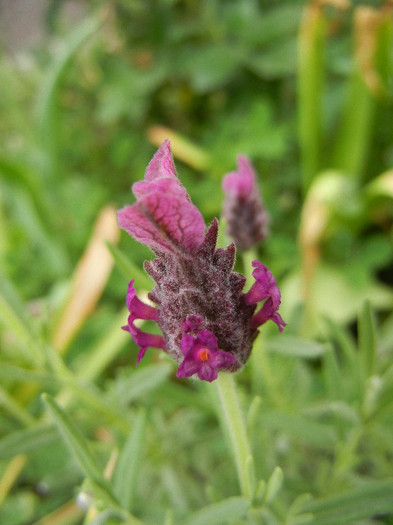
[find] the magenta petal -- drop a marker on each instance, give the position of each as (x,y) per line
(187,344)
(264,286)
(207,338)
(222,359)
(188,368)
(134,221)
(163,185)
(137,308)
(143,339)
(141,355)
(161,165)
(163,222)
(268,313)
(207,373)
(163,217)
(240,183)
(202,356)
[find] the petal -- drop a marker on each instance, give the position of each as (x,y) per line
(163,185)
(222,359)
(163,221)
(161,165)
(137,308)
(187,344)
(141,355)
(264,286)
(163,217)
(188,368)
(143,339)
(240,183)
(207,373)
(207,338)
(268,312)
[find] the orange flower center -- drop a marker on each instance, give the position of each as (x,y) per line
(204,354)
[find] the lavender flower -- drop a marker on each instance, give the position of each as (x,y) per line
(247,219)
(207,323)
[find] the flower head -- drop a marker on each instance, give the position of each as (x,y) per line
(207,322)
(202,356)
(247,219)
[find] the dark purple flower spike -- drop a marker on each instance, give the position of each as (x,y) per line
(247,219)
(207,322)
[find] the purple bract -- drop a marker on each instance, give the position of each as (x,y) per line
(207,322)
(247,219)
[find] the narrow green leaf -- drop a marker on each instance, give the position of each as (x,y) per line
(250,471)
(339,409)
(253,412)
(344,341)
(310,76)
(29,376)
(219,513)
(295,347)
(367,339)
(125,475)
(14,315)
(260,491)
(299,427)
(47,110)
(78,445)
(141,381)
(274,484)
(352,138)
(94,363)
(174,487)
(53,251)
(128,268)
(360,503)
(108,517)
(331,373)
(27,179)
(14,408)
(27,440)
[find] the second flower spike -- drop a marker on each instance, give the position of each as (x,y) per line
(247,219)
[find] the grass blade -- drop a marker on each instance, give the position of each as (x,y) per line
(367,340)
(125,476)
(221,512)
(369,500)
(47,111)
(79,447)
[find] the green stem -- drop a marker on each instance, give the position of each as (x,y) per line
(234,422)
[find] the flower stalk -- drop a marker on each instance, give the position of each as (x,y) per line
(233,419)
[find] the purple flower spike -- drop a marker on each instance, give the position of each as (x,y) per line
(202,356)
(247,220)
(265,287)
(200,304)
(163,217)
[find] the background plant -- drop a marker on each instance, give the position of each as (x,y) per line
(304,89)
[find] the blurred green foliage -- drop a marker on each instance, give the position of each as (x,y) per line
(306,90)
